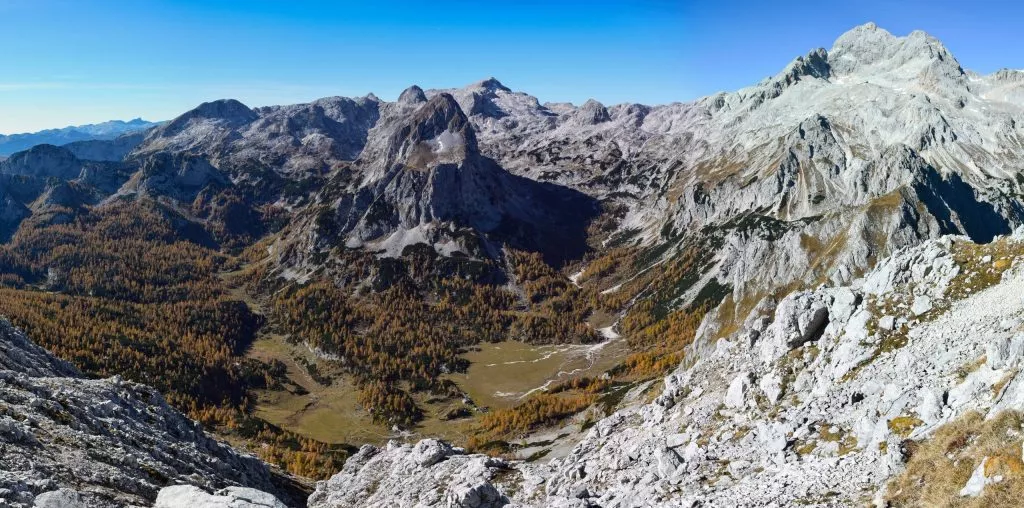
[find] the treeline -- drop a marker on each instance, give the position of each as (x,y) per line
(296,454)
(134,251)
(656,335)
(132,289)
(187,350)
(402,339)
(539,410)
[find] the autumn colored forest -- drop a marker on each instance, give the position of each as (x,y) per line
(133,288)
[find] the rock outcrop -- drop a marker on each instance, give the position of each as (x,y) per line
(43,161)
(188,496)
(422,180)
(431,473)
(68,441)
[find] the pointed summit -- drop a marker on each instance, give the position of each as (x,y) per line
(412,95)
(491,85)
(438,131)
(440,114)
(591,113)
(863,45)
(814,64)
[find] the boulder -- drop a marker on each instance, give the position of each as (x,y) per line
(189,496)
(736,395)
(921,305)
(887,323)
(976,483)
(428,452)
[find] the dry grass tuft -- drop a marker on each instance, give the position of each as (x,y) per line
(941,465)
(903,426)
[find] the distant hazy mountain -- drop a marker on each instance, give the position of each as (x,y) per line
(106,130)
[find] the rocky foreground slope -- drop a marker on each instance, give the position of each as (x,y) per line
(71,442)
(820,398)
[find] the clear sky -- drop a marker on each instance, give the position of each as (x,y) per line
(66,62)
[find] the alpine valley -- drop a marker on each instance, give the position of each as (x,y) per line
(807,291)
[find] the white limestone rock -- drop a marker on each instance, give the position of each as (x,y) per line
(430,473)
(976,483)
(887,323)
(735,397)
(71,441)
(921,305)
(189,496)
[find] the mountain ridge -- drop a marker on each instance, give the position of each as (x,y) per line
(11,143)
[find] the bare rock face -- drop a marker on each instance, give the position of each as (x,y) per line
(188,496)
(178,176)
(799,319)
(19,354)
(69,441)
(43,161)
(12,212)
(592,113)
(431,473)
(422,179)
(296,139)
(412,95)
(228,113)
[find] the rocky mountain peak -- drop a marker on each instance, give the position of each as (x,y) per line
(412,95)
(814,64)
(229,112)
(438,130)
(863,39)
(872,54)
(491,85)
(43,161)
(1009,76)
(592,112)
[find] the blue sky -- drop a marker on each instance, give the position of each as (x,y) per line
(78,61)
